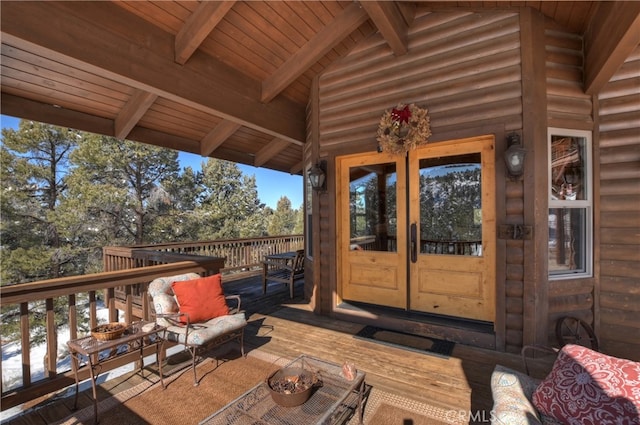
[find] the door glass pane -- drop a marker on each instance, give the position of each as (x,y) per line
(451,205)
(372,207)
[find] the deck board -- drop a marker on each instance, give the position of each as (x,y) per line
(287,328)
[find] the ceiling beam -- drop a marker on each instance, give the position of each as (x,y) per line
(135,109)
(270,150)
(612,35)
(138,54)
(217,136)
(297,168)
(391,23)
(17,106)
(21,107)
(408,11)
(41,112)
(326,39)
(198,26)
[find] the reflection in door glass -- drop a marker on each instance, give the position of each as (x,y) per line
(372,207)
(451,205)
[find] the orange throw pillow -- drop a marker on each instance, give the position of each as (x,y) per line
(202,299)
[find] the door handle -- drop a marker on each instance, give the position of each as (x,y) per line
(414,243)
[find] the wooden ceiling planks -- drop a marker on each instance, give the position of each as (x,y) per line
(34,68)
(177,119)
(253,39)
(266,51)
(168,15)
(284,39)
(314,49)
(572,15)
(171,16)
(262,31)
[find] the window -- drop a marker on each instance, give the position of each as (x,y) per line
(570,203)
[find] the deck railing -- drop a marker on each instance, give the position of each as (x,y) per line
(123,289)
(242,256)
(427,246)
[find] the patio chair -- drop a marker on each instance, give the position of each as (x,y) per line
(196,313)
(283,271)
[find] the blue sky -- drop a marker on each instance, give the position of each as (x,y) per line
(272,185)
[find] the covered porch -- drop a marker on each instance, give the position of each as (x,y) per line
(283,328)
(306,84)
(166,76)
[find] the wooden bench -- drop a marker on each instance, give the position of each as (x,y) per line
(284,268)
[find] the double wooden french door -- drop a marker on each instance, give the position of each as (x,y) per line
(418,232)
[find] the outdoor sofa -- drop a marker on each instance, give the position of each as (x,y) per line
(584,387)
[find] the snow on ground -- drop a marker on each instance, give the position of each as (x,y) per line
(12,364)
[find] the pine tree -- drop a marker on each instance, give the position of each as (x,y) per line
(117,184)
(35,159)
(230,206)
(283,220)
(176,204)
(298,228)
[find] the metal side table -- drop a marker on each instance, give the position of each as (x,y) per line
(137,337)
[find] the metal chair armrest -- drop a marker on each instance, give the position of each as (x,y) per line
(174,318)
(236,309)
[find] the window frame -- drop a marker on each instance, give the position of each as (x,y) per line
(585,204)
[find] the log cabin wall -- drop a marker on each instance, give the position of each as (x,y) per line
(618,309)
(567,104)
(465,68)
(567,107)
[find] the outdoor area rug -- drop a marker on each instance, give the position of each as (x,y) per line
(148,403)
(417,343)
(182,402)
(383,408)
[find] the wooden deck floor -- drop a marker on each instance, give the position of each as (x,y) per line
(288,328)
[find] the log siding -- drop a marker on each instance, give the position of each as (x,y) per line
(469,70)
(470,94)
(567,107)
(473,71)
(618,318)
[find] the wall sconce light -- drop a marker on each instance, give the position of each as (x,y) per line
(317,176)
(514,155)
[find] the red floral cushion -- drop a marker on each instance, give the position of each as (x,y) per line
(202,299)
(586,387)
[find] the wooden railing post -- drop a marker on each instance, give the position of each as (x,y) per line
(51,357)
(93,318)
(24,339)
(73,317)
(111,304)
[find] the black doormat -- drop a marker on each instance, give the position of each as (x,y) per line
(406,341)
